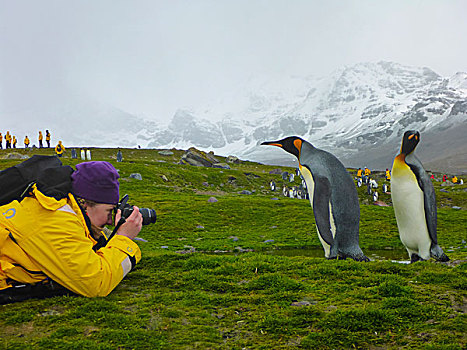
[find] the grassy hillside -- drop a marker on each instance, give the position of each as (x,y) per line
(248,271)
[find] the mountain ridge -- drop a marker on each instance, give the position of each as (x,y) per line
(358,112)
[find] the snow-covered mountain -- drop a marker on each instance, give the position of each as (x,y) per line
(358,113)
(351,113)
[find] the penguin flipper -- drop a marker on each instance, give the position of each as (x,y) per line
(321,198)
(429,196)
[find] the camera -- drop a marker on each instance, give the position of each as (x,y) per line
(149,215)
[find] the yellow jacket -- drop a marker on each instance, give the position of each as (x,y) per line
(41,237)
(59,149)
(359,172)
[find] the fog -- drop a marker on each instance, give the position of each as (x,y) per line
(150,58)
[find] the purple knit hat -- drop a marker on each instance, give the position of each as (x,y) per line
(96,181)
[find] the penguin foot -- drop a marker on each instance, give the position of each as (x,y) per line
(362,258)
(354,257)
(414,258)
(437,253)
(442,258)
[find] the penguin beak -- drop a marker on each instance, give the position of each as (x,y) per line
(272,143)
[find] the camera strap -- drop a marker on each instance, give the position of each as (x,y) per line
(119,223)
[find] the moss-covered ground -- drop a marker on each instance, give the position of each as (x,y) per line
(248,272)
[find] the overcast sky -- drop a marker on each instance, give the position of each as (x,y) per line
(151,57)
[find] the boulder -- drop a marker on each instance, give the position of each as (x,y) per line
(198,158)
(221,165)
(165,153)
(233,159)
(275,171)
(136,176)
(15,155)
(211,157)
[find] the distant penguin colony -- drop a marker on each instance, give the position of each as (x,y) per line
(414,202)
(332,195)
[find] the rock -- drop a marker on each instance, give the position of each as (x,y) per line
(197,158)
(164,247)
(166,153)
(212,200)
(274,199)
(136,176)
(139,239)
(269,241)
(301,303)
(456,207)
(443,190)
(242,250)
(245,192)
(205,184)
(275,171)
(285,176)
(16,156)
(211,157)
(50,313)
(233,159)
(234,238)
(254,176)
(201,227)
(221,165)
(380,204)
(231,179)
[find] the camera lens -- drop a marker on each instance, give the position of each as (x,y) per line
(149,215)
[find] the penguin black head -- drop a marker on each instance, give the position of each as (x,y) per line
(291,144)
(410,141)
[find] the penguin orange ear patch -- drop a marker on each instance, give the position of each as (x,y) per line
(411,136)
(298,143)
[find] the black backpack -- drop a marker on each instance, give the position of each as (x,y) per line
(51,177)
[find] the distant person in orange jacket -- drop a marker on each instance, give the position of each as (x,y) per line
(59,149)
(7,140)
(388,174)
(47,138)
(26,141)
(14,141)
(40,139)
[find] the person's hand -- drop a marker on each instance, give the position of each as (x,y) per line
(132,225)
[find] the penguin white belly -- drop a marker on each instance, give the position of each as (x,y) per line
(409,208)
(310,185)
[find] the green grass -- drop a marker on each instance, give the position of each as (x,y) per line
(219,298)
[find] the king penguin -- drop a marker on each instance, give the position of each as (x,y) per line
(414,202)
(333,197)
